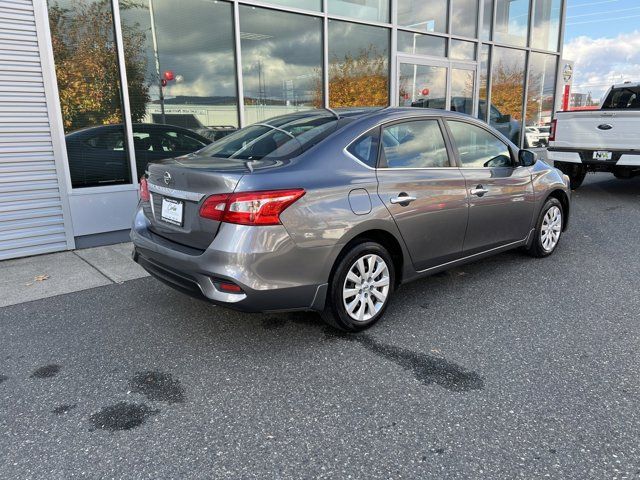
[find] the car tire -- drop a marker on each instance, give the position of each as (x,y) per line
(356,299)
(576,174)
(548,230)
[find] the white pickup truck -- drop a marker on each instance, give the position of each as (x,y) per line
(603,140)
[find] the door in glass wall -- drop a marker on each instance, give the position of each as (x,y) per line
(434,84)
(422,85)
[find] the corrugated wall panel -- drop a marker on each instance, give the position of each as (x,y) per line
(31,210)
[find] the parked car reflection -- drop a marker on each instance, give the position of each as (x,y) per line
(97,155)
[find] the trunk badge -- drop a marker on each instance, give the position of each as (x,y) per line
(167,178)
(605,126)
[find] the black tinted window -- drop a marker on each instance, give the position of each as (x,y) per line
(417,144)
(113,140)
(365,148)
(620,98)
(477,147)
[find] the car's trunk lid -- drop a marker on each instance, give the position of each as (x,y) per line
(179,186)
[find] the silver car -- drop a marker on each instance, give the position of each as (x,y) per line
(331,212)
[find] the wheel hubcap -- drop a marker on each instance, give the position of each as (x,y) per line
(551,229)
(366,288)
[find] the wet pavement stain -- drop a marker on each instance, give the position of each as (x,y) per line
(121,416)
(426,368)
(47,371)
(3,378)
(62,409)
(158,386)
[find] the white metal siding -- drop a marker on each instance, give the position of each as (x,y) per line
(31,201)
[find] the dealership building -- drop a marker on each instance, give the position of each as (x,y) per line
(198,69)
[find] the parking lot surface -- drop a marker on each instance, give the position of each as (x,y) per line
(506,368)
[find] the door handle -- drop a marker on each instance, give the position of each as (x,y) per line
(402,199)
(479,191)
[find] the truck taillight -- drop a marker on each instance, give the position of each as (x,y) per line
(250,208)
(144,190)
(552,132)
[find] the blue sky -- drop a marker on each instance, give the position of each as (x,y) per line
(603,38)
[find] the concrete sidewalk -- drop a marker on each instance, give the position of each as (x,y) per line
(42,276)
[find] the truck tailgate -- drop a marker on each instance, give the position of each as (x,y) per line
(598,129)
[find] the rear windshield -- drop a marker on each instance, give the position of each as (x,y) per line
(622,98)
(277,138)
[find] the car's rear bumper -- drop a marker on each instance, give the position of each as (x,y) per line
(620,158)
(273,273)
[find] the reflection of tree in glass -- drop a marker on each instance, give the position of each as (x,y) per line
(87,66)
(360,80)
(507,90)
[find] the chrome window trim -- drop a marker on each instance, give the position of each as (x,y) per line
(171,192)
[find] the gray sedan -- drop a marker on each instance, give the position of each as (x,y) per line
(332,212)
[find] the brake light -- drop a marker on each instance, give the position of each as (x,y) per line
(250,208)
(144,190)
(552,132)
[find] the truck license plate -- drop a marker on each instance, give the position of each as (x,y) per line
(601,155)
(172,211)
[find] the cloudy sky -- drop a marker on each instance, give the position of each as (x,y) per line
(603,38)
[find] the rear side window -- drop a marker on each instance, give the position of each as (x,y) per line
(622,98)
(415,144)
(365,148)
(478,148)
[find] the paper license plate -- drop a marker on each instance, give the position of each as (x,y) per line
(172,211)
(600,155)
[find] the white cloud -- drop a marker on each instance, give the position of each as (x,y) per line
(601,62)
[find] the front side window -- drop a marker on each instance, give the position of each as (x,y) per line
(417,144)
(478,148)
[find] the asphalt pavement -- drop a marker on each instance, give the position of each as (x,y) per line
(506,368)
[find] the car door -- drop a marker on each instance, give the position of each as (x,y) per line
(501,196)
(423,190)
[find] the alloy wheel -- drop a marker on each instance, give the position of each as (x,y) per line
(366,287)
(551,228)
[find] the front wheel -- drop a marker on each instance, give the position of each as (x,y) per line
(548,229)
(360,288)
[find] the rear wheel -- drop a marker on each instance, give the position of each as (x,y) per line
(360,288)
(548,229)
(575,172)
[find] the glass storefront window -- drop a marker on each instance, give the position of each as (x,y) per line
(430,16)
(464,18)
(546,24)
(358,65)
(462,87)
(484,82)
(507,92)
(315,5)
(193,83)
(512,17)
(86,64)
(461,50)
(281,62)
(540,99)
(416,43)
(487,20)
(373,10)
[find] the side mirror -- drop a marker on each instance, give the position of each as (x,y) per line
(527,158)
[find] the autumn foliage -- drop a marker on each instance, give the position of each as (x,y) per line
(360,80)
(87,66)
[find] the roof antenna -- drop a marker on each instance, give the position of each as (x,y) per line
(333,112)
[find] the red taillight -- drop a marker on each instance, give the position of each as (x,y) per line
(250,208)
(552,132)
(144,190)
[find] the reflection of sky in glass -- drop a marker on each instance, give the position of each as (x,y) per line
(430,15)
(409,42)
(464,17)
(512,18)
(461,50)
(542,78)
(546,25)
(373,10)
